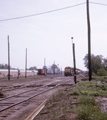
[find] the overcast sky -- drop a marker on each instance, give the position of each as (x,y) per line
(49,35)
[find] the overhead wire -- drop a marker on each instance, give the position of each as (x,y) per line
(16,51)
(98,3)
(20,54)
(42,13)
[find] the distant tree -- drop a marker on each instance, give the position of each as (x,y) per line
(0,66)
(44,67)
(55,68)
(105,63)
(33,68)
(5,66)
(97,62)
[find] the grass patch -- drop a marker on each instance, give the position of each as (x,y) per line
(88,109)
(74,92)
(90,88)
(56,97)
(87,100)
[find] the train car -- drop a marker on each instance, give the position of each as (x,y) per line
(41,72)
(68,71)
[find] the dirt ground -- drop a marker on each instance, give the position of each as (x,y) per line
(59,107)
(25,109)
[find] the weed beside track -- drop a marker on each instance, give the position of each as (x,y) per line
(78,102)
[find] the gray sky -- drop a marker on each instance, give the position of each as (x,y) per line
(49,35)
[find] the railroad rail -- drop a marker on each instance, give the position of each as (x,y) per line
(36,111)
(25,91)
(19,86)
(23,97)
(28,98)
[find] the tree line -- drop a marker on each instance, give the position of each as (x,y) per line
(4,66)
(52,67)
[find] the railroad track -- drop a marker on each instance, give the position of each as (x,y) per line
(50,84)
(19,86)
(15,102)
(23,97)
(23,77)
(9,88)
(11,78)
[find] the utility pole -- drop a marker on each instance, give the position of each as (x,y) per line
(44,62)
(74,63)
(18,73)
(26,64)
(58,69)
(61,70)
(8,58)
(45,66)
(54,67)
(89,41)
(73,47)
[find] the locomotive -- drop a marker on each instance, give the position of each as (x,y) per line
(68,71)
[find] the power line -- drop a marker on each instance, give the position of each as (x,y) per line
(98,3)
(16,51)
(42,12)
(20,55)
(32,15)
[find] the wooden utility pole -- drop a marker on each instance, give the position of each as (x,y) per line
(74,63)
(18,73)
(44,62)
(45,66)
(26,64)
(54,67)
(8,58)
(89,41)
(61,70)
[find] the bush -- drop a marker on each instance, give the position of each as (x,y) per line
(102,72)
